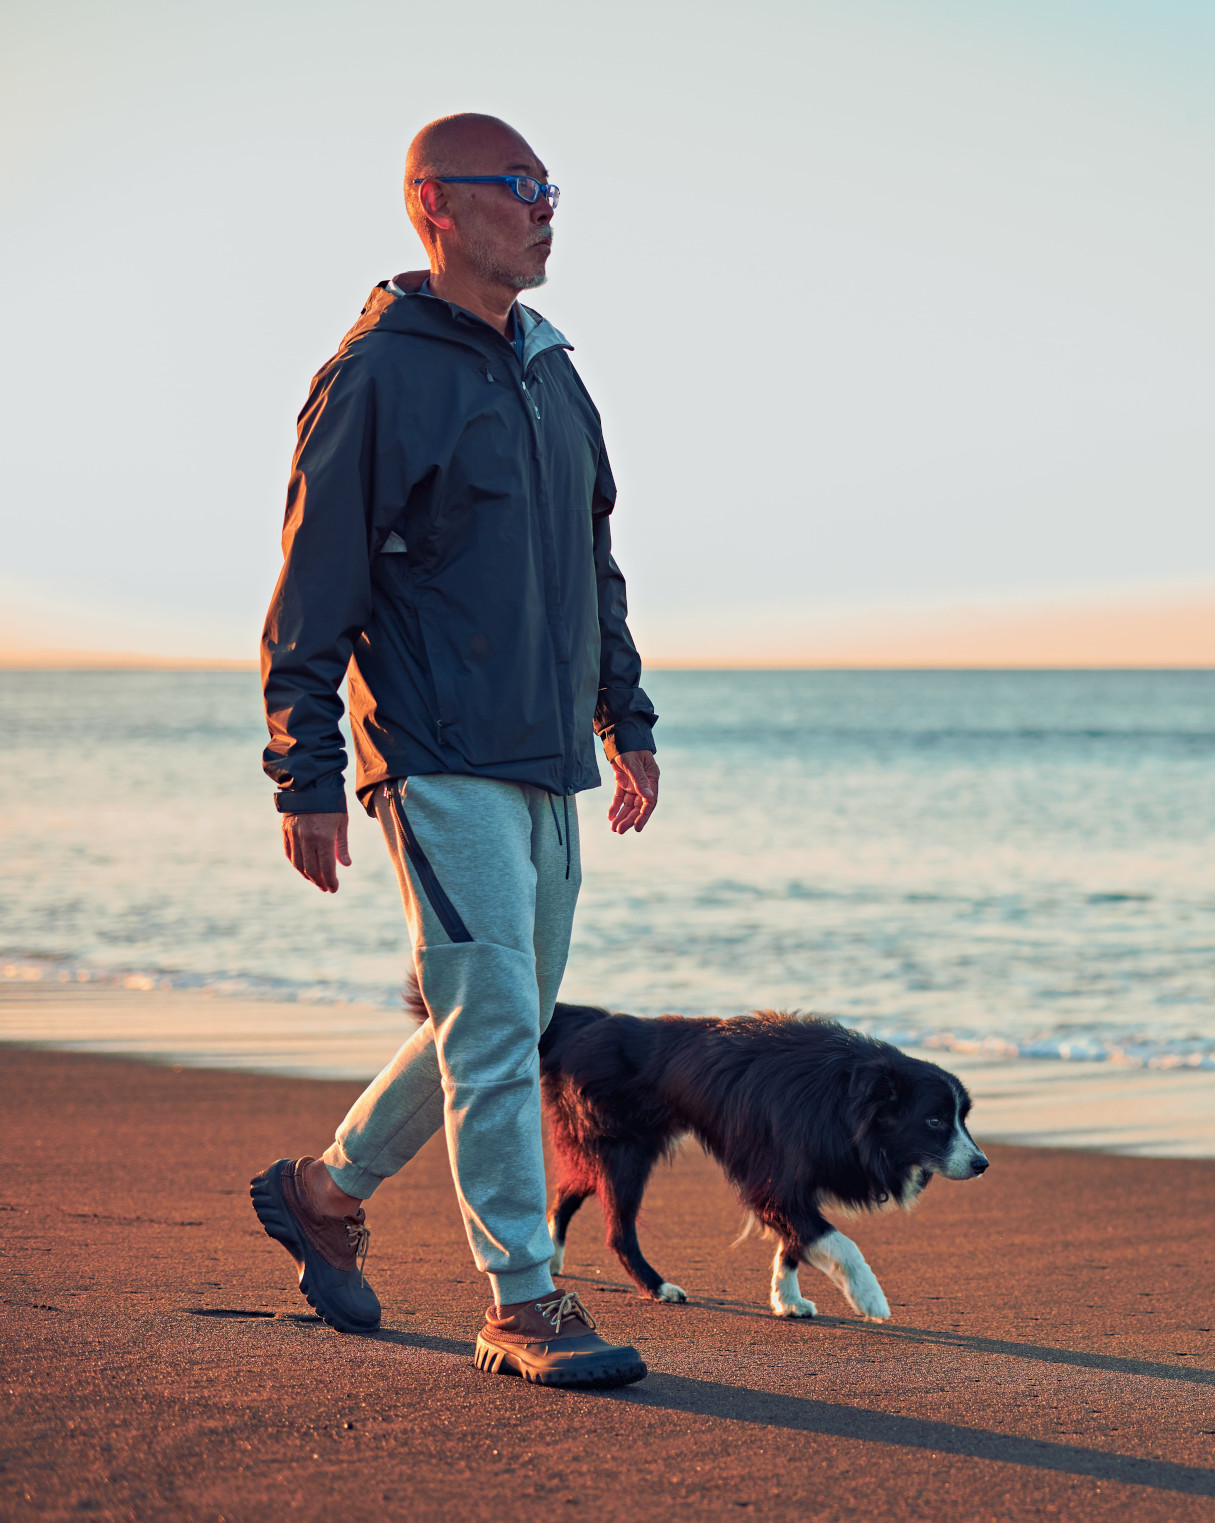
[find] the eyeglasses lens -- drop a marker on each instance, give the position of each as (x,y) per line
(529,190)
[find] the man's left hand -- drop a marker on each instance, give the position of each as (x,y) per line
(636,796)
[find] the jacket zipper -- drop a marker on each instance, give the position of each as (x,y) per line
(565,781)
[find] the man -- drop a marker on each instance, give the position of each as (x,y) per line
(447,539)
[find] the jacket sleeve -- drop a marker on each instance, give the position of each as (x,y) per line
(624,716)
(323,597)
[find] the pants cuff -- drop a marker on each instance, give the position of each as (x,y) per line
(350,1177)
(522,1285)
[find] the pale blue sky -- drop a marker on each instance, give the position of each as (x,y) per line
(885,305)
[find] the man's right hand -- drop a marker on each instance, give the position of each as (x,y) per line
(315,844)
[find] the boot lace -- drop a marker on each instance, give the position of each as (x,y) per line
(358,1235)
(561,1308)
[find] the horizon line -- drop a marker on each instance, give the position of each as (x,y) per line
(115,661)
(1126,633)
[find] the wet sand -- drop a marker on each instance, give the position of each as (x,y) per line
(1168,1114)
(1051,1353)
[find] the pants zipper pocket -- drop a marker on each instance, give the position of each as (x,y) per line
(445,910)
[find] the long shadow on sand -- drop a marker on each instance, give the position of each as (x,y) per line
(1041,1353)
(799,1414)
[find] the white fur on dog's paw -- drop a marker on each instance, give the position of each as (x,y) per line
(844,1264)
(786,1299)
(557,1260)
(669,1292)
(799,1307)
(871,1304)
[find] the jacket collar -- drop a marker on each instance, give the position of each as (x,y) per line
(539,334)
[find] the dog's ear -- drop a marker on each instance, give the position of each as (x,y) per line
(873,1097)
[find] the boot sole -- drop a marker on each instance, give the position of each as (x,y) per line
(600,1373)
(266,1193)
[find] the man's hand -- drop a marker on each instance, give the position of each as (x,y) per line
(636,796)
(315,844)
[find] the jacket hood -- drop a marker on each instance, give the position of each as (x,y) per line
(396,306)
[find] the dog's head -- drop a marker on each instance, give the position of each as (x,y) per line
(914,1114)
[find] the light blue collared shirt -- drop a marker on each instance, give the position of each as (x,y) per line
(516,325)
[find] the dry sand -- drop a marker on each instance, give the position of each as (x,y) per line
(1051,1353)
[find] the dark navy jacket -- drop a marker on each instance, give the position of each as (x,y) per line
(447,539)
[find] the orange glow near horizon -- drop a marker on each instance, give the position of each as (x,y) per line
(1144,634)
(1155,634)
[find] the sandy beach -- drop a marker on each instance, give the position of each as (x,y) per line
(1051,1354)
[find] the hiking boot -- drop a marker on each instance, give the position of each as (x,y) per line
(553,1342)
(329,1251)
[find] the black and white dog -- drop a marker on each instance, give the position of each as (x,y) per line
(801,1113)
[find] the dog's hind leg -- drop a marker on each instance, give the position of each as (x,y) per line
(624,1171)
(569,1197)
(786,1298)
(844,1264)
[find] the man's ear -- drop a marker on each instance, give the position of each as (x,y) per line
(873,1098)
(433,197)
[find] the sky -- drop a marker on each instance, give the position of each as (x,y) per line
(899,316)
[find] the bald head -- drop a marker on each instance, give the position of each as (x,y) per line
(468,143)
(486,241)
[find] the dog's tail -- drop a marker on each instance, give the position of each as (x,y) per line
(751,1224)
(411,997)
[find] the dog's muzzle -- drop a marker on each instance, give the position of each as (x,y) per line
(963,1160)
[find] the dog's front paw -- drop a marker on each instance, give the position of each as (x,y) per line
(797,1306)
(669,1292)
(786,1297)
(869,1302)
(557,1260)
(844,1265)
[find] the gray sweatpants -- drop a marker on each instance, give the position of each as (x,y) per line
(489,872)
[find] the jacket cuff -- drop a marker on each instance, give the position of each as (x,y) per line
(328,797)
(627,735)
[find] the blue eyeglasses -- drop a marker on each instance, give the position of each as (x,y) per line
(525,188)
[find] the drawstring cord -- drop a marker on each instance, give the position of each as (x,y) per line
(562,840)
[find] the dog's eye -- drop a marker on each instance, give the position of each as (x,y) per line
(935,1122)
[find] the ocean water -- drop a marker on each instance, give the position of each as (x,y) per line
(1009,861)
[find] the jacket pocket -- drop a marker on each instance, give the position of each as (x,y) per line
(442,676)
(496,688)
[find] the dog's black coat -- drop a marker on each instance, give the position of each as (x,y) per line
(796,1111)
